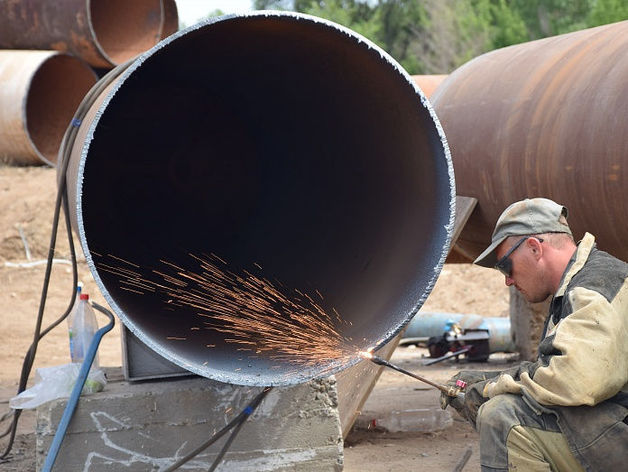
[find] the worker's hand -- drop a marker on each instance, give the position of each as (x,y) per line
(472,376)
(447,400)
(468,403)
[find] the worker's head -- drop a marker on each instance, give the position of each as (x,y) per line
(528,236)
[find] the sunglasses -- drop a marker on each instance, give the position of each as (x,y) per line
(504,265)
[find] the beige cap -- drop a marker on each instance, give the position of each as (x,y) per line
(524,218)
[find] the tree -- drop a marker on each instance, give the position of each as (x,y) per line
(293,5)
(358,16)
(508,26)
(551,17)
(608,11)
(437,36)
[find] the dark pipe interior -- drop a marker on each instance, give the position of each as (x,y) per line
(279,141)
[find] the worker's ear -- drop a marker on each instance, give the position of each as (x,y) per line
(536,247)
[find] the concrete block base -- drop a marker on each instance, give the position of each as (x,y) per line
(147,426)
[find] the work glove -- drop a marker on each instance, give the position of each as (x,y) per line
(467,405)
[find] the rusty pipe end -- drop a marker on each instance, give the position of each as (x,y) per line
(40,93)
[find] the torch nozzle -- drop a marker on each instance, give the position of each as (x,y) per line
(379,361)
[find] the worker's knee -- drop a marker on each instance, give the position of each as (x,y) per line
(500,413)
(537,450)
(497,418)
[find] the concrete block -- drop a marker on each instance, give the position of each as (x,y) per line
(147,426)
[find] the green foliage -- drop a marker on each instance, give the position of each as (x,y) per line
(399,22)
(473,22)
(507,25)
(608,11)
(274,5)
(551,17)
(437,36)
(293,5)
(354,15)
(391,24)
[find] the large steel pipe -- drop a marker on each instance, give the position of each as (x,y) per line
(328,173)
(39,93)
(103,33)
(544,118)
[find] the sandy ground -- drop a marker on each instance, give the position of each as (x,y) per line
(27,197)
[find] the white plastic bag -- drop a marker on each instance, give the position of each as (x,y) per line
(57,382)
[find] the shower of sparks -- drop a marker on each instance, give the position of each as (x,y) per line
(368,354)
(289,326)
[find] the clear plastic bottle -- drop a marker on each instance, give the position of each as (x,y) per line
(71,315)
(82,327)
(412,420)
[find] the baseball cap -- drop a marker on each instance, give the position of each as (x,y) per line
(524,218)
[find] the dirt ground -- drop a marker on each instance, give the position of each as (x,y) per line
(27,197)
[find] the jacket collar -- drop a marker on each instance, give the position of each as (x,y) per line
(577,262)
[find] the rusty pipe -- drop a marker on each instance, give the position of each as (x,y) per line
(544,118)
(39,93)
(169,18)
(329,170)
(103,33)
(429,83)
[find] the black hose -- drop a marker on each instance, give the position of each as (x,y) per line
(235,423)
(227,445)
(61,201)
(29,358)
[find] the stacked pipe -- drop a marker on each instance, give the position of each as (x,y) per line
(50,53)
(544,118)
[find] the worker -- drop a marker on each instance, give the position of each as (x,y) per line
(568,411)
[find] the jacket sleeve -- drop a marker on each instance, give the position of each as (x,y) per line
(590,355)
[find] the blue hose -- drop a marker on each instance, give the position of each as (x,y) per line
(53,452)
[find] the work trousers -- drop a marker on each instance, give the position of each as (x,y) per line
(514,437)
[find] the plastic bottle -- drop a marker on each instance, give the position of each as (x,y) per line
(82,327)
(413,420)
(72,313)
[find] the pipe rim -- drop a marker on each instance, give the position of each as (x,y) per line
(309,373)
